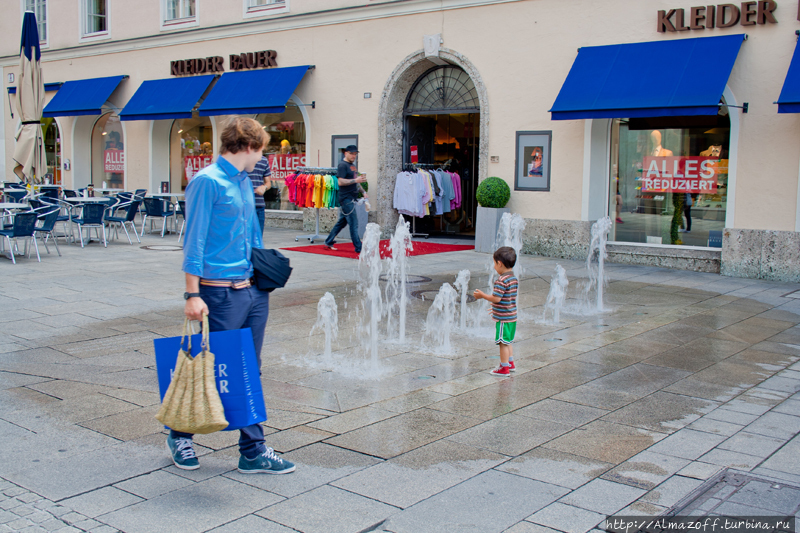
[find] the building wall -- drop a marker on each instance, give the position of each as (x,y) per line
(523,50)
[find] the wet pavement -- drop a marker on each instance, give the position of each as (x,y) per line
(686,386)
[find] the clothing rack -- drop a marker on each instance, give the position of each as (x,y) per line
(414,166)
(314,170)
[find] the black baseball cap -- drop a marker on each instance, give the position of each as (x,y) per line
(351,148)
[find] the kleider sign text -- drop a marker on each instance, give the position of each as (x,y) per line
(210,65)
(680,174)
(719,16)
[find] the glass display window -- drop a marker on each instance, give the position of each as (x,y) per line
(669,180)
(52,150)
(286,152)
(108,153)
(191,150)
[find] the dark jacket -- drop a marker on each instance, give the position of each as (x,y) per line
(271,267)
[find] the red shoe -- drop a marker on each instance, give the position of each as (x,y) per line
(620,221)
(501,371)
(513,367)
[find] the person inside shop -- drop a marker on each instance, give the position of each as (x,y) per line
(658,150)
(349,189)
(221,232)
(260,176)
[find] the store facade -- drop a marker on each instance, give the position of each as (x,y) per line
(403,76)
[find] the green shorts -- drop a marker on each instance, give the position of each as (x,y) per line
(504,332)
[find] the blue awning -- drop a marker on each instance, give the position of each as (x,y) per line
(47,87)
(82,97)
(789,100)
(652,79)
(253,91)
(169,98)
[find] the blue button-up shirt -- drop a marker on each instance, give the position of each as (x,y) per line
(221,225)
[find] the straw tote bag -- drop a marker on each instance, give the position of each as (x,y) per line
(191,403)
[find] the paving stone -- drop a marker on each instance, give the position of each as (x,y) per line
(103,529)
(328,510)
(603,496)
(421,473)
(566,413)
(529,527)
(645,470)
(510,434)
(731,459)
(566,518)
(604,441)
(73,518)
(87,525)
(250,524)
(232,500)
(52,524)
(317,465)
(717,427)
(783,500)
(554,467)
(476,505)
(752,444)
(22,510)
(102,501)
(153,484)
(687,444)
(779,425)
(6,516)
(672,490)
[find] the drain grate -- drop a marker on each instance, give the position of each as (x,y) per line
(734,493)
(410,280)
(162,248)
(430,294)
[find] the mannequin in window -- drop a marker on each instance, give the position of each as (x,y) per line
(658,150)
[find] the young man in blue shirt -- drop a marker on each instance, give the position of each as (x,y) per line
(221,232)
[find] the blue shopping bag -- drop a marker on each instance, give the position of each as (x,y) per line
(235,369)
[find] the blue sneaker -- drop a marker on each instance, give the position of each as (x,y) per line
(182,452)
(266,463)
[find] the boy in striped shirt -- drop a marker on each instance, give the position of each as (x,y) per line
(504,306)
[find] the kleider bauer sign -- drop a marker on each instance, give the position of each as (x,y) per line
(719,16)
(209,65)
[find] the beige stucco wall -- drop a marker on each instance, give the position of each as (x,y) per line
(523,51)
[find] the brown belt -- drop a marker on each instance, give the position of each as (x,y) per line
(232,284)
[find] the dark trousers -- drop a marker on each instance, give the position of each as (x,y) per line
(260,215)
(347,217)
(687,210)
(237,309)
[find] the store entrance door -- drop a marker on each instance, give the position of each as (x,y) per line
(442,129)
(448,143)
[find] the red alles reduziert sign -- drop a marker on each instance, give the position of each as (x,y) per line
(692,174)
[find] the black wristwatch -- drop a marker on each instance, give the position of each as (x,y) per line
(187,295)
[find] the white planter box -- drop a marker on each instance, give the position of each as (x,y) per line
(487,224)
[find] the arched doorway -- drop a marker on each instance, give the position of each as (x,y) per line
(108,153)
(392,152)
(442,127)
(52,149)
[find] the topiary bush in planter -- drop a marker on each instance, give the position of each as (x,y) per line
(492,195)
(493,192)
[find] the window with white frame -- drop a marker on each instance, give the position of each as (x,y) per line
(255,8)
(179,10)
(39,8)
(95,17)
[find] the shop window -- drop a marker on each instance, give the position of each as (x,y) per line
(39,8)
(52,150)
(669,180)
(108,153)
(190,151)
(257,8)
(95,18)
(178,12)
(286,152)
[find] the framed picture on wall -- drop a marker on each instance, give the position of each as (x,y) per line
(533,161)
(338,144)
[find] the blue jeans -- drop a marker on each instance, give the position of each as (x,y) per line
(260,216)
(347,217)
(236,309)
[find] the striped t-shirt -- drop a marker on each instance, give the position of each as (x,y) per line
(506,288)
(257,176)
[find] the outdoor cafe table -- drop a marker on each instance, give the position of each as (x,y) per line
(108,191)
(90,200)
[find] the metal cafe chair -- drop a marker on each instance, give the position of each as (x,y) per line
(154,208)
(131,209)
(49,219)
(24,227)
(182,213)
(92,217)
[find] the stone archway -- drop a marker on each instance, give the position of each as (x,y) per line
(390,125)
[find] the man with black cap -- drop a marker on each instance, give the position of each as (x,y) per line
(349,187)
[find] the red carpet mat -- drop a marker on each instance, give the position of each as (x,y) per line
(346,249)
